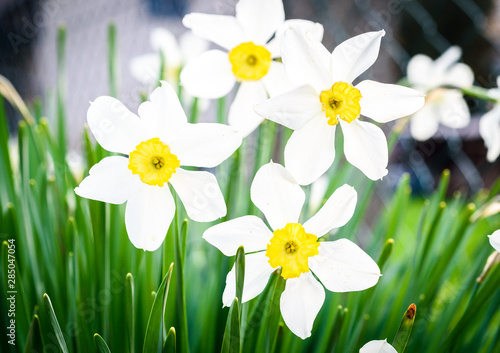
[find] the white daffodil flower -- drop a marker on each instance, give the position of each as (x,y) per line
(495,240)
(175,53)
(156,145)
(489,126)
(445,106)
(326,98)
(249,59)
(377,347)
(340,265)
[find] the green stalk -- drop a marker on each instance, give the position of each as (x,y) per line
(112,60)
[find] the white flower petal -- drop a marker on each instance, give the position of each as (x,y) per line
(191,46)
(419,71)
(260,18)
(148,215)
(241,114)
(162,40)
(292,109)
(377,347)
(209,75)
(384,102)
(495,240)
(200,194)
(336,212)
(489,129)
(365,147)
(300,303)
(205,144)
(425,122)
(354,56)
(249,231)
(276,81)
(225,31)
(447,59)
(306,60)
(146,68)
(310,151)
(114,127)
(257,272)
(342,266)
(277,195)
(313,29)
(459,75)
(163,113)
(109,181)
(453,110)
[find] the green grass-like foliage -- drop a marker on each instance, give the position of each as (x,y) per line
(81,285)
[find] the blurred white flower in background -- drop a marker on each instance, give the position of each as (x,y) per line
(443,105)
(377,347)
(489,126)
(175,53)
(248,60)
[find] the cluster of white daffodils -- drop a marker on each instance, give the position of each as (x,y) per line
(311,91)
(154,146)
(340,265)
(443,105)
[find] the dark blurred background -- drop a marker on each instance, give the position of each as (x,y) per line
(28,31)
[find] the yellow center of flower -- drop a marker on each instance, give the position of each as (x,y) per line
(153,161)
(341,102)
(250,62)
(291,248)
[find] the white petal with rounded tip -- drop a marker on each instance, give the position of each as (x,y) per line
(249,231)
(384,102)
(419,71)
(260,18)
(459,75)
(313,29)
(489,129)
(425,122)
(109,181)
(377,347)
(292,109)
(310,151)
(276,81)
(306,60)
(205,144)
(241,114)
(447,59)
(453,110)
(365,147)
(146,68)
(162,40)
(257,272)
(148,215)
(200,194)
(163,113)
(225,31)
(342,266)
(114,127)
(354,56)
(208,75)
(300,303)
(277,195)
(336,212)
(495,240)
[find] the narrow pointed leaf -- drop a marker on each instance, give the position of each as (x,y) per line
(55,324)
(169,345)
(231,341)
(404,332)
(101,344)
